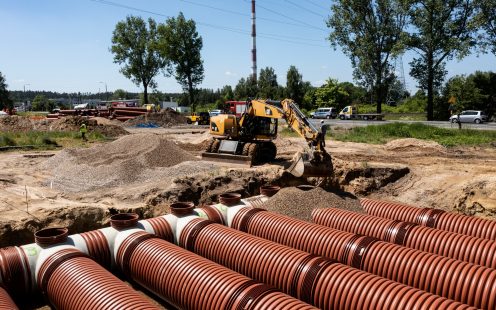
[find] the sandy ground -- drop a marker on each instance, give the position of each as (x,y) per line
(460,179)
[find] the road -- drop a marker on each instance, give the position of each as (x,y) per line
(446,124)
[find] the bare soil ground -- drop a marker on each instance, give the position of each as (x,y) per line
(80,189)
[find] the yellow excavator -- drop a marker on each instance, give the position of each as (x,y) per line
(248,139)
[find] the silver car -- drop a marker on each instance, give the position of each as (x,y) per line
(469,116)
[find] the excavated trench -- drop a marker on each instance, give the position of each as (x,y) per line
(201,189)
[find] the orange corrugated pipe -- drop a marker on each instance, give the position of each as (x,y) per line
(464,282)
(462,247)
(434,218)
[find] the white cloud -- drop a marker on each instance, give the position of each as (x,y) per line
(19,81)
(323,67)
(318,83)
(229,73)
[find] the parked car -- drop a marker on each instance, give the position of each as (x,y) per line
(469,116)
(325,113)
(215,112)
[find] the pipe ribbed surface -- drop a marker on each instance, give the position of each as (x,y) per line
(71,280)
(161,228)
(6,303)
(434,218)
(462,247)
(213,214)
(15,271)
(189,281)
(461,281)
(98,247)
(322,282)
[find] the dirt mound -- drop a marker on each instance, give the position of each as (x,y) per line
(414,145)
(16,123)
(72,123)
(296,203)
(167,118)
(130,159)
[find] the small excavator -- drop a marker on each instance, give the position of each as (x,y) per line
(248,139)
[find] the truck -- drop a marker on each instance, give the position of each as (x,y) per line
(203,118)
(236,107)
(351,112)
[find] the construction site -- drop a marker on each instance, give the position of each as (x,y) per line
(145,221)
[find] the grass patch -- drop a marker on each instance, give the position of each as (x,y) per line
(47,140)
(380,134)
(288,132)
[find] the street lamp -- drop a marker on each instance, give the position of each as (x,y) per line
(106,93)
(25,102)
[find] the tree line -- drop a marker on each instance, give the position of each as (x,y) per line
(373,32)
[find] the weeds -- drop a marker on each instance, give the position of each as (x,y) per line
(379,134)
(45,140)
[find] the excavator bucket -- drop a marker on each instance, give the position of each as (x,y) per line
(303,166)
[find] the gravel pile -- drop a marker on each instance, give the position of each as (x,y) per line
(130,159)
(167,118)
(16,123)
(296,203)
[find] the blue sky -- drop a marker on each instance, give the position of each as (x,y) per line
(63,45)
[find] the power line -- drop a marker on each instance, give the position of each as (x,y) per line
(247,15)
(317,5)
(276,37)
(290,18)
(304,8)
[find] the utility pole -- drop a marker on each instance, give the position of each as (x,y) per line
(106,93)
(254,39)
(25,101)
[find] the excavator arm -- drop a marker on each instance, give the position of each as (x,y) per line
(315,162)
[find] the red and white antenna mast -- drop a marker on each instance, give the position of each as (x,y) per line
(254,38)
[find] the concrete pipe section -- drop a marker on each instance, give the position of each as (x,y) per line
(71,280)
(321,282)
(460,281)
(462,247)
(434,218)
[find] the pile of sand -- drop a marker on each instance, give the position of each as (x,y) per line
(167,118)
(72,123)
(130,159)
(296,203)
(414,145)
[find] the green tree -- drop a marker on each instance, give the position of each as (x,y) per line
(227,93)
(41,103)
(441,30)
(486,17)
(331,94)
(267,84)
(369,32)
(309,99)
(5,101)
(134,45)
(246,88)
(294,85)
(120,94)
(181,44)
(240,92)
